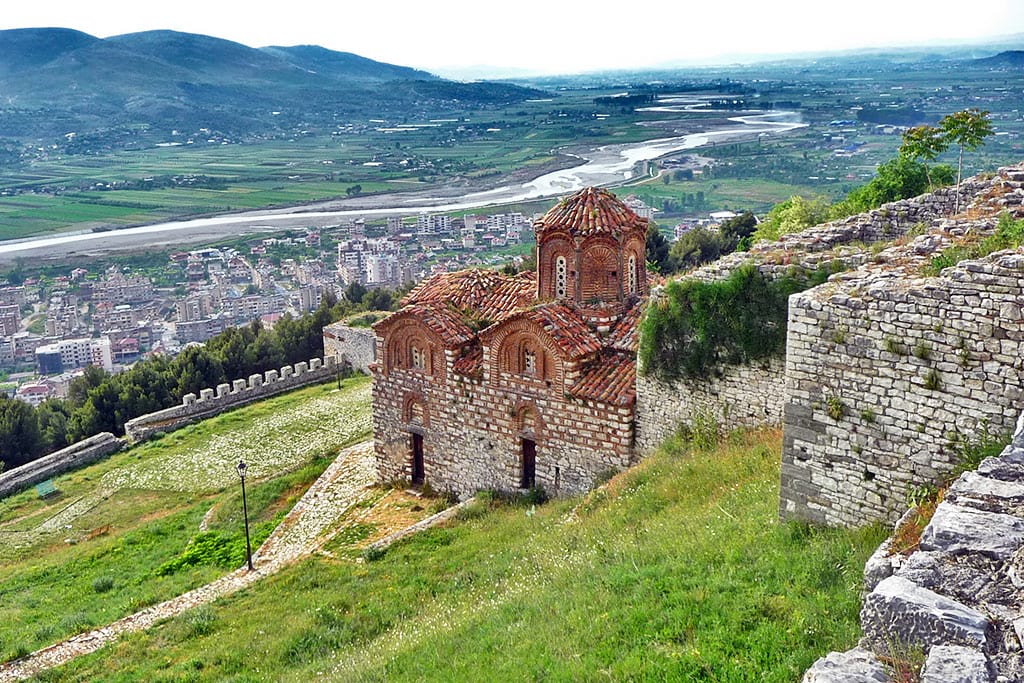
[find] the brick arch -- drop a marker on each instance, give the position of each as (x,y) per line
(515,337)
(528,421)
(636,248)
(553,247)
(415,409)
(402,343)
(600,272)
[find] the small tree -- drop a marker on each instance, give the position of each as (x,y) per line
(968,129)
(925,143)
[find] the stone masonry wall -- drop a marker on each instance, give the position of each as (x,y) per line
(753,395)
(356,346)
(74,456)
(885,369)
(737,395)
(211,402)
(956,598)
(472,432)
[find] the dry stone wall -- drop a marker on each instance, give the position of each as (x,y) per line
(957,598)
(356,346)
(211,402)
(77,455)
(886,370)
(752,395)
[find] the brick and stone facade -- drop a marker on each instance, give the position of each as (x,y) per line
(484,381)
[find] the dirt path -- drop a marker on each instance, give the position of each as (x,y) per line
(345,483)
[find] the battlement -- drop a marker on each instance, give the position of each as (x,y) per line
(211,401)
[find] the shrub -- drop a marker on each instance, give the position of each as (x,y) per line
(102,584)
(835,406)
(698,325)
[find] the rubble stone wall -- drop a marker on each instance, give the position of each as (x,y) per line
(956,598)
(754,395)
(356,346)
(77,455)
(240,392)
(736,395)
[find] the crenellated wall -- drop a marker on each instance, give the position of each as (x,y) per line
(210,402)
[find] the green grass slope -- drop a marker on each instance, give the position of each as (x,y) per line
(125,533)
(677,570)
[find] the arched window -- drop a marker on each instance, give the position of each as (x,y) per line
(632,274)
(561,277)
(419,358)
(529,362)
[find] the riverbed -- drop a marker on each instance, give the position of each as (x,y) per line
(607,165)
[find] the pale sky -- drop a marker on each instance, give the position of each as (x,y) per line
(543,36)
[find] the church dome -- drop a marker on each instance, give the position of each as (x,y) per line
(591,211)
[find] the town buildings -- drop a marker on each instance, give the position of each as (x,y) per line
(488,381)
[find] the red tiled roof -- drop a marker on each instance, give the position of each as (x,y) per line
(612,379)
(471,363)
(441,320)
(591,211)
(625,335)
(565,327)
(477,293)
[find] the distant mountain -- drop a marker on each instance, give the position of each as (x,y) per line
(54,81)
(1009,58)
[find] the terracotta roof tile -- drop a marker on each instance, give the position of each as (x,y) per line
(471,362)
(590,211)
(440,319)
(611,379)
(625,335)
(564,325)
(477,293)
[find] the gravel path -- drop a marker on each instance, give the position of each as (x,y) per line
(342,485)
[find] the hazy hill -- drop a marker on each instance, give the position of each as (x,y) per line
(56,80)
(1009,58)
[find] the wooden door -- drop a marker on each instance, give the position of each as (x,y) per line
(529,479)
(417,460)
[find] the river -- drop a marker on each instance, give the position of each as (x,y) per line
(605,165)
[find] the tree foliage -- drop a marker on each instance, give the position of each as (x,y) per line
(967,129)
(100,402)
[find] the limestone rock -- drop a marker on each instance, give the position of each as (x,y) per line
(900,611)
(955,664)
(854,666)
(956,529)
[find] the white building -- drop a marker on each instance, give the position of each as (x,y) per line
(77,353)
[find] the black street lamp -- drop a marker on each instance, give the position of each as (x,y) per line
(245,513)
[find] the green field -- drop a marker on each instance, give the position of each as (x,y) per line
(63,572)
(677,570)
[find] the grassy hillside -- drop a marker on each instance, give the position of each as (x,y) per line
(677,570)
(115,539)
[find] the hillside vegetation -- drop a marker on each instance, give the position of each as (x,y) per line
(125,533)
(675,570)
(59,81)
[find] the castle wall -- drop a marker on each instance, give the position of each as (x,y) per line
(753,395)
(734,396)
(472,431)
(884,370)
(240,392)
(356,346)
(77,455)
(957,598)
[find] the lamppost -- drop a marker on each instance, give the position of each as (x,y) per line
(245,513)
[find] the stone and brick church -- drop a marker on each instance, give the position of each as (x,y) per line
(489,381)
